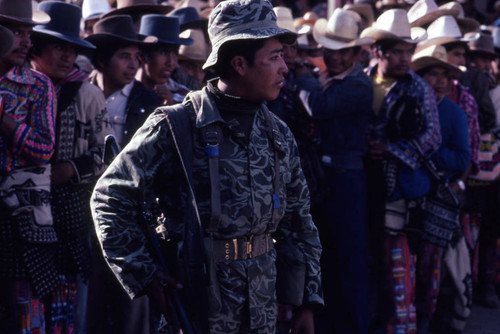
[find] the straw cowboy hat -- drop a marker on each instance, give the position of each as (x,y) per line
(64,23)
(483,44)
(444,30)
(284,18)
(364,10)
(92,9)
(393,24)
(199,50)
(424,12)
(306,23)
(117,28)
(6,41)
(466,24)
(21,11)
(137,6)
(434,56)
(165,28)
(341,31)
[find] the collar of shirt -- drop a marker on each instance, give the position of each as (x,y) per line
(21,74)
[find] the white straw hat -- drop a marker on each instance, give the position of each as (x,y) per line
(340,31)
(424,12)
(393,24)
(94,8)
(284,18)
(434,55)
(466,24)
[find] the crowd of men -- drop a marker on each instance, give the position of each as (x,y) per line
(272,167)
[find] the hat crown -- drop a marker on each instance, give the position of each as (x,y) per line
(21,11)
(454,6)
(483,43)
(394,21)
(64,18)
(284,17)
(234,16)
(343,24)
(165,28)
(444,26)
(199,50)
(421,8)
(118,25)
(94,7)
(435,51)
(496,37)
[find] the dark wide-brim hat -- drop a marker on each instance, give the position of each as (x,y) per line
(243,19)
(130,7)
(64,23)
(21,11)
(6,41)
(484,44)
(118,28)
(165,28)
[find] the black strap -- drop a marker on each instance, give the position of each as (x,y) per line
(274,136)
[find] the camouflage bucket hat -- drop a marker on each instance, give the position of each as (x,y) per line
(243,19)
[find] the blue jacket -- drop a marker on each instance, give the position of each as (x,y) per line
(343,109)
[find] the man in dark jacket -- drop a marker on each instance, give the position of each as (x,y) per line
(342,107)
(129,103)
(117,60)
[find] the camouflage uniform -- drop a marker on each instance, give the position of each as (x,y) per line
(246,171)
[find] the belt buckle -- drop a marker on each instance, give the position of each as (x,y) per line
(249,247)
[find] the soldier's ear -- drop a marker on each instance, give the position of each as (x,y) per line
(239,64)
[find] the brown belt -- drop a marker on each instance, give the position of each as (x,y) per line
(241,248)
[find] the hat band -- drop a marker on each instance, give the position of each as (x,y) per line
(338,38)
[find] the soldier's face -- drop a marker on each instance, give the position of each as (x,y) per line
(266,77)
(339,61)
(22,44)
(161,63)
(56,60)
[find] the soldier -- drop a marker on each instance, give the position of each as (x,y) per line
(262,195)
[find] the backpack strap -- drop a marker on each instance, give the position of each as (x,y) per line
(277,144)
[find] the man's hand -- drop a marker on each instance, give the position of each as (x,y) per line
(157,294)
(61,173)
(303,322)
(164,93)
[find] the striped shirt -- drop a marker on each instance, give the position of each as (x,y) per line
(29,100)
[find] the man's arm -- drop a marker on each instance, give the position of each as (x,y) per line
(116,205)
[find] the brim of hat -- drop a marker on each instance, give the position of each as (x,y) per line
(487,51)
(104,38)
(7,38)
(418,35)
(194,59)
(379,5)
(285,36)
(178,41)
(154,9)
(467,24)
(78,42)
(432,16)
(424,62)
(95,16)
(305,29)
(321,37)
(441,41)
(38,17)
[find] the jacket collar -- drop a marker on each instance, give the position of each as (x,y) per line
(21,74)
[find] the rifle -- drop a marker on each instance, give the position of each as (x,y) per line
(175,315)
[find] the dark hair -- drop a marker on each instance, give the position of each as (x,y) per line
(104,52)
(385,45)
(39,41)
(245,48)
(148,49)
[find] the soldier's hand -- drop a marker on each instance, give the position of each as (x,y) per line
(303,322)
(156,291)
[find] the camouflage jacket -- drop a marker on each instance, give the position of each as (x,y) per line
(246,173)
